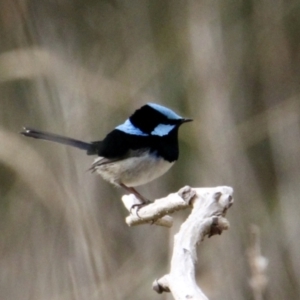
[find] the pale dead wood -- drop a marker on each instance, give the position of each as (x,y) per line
(209,207)
(157,212)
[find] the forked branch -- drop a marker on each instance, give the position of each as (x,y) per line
(209,207)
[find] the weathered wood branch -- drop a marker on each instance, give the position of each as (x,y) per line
(157,212)
(209,207)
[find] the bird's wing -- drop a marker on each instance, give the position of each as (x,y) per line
(101,161)
(104,160)
(117,144)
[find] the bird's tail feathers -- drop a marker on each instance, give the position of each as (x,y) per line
(91,148)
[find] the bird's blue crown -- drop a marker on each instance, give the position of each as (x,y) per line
(170,114)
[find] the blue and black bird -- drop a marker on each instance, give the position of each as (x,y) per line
(141,149)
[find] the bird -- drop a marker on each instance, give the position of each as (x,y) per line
(134,153)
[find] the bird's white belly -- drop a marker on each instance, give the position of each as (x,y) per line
(134,171)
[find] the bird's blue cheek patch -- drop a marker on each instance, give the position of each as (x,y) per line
(129,128)
(162,129)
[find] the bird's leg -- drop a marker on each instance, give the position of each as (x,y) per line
(136,193)
(132,190)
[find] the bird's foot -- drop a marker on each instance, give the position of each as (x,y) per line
(144,201)
(139,206)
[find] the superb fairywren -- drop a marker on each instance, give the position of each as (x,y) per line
(141,149)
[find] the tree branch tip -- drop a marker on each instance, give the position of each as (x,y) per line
(218,225)
(156,287)
(224,223)
(187,194)
(224,199)
(159,287)
(217,196)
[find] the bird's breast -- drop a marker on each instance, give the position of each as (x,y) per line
(134,171)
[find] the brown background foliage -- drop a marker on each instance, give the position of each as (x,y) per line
(79,68)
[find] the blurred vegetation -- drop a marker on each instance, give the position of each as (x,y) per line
(79,68)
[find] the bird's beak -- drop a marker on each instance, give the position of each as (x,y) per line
(186,120)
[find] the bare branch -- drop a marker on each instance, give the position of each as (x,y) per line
(207,218)
(156,212)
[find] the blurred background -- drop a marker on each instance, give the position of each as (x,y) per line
(81,67)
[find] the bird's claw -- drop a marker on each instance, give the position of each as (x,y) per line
(139,206)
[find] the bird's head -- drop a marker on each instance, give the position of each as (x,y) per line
(152,119)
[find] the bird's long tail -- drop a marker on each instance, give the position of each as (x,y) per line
(38,134)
